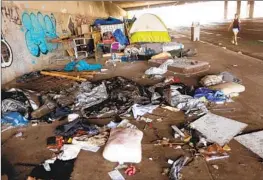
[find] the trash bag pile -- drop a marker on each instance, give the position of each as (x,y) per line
(118,98)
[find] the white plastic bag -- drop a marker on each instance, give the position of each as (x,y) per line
(124,145)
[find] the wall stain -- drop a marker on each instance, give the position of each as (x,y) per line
(38,30)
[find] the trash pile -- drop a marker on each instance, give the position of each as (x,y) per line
(120,98)
(203,133)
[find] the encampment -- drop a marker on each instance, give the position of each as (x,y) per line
(149,28)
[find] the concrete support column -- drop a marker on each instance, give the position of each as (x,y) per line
(225,9)
(250,9)
(238,7)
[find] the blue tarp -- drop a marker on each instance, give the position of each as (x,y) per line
(107,21)
(82,65)
(14,118)
(120,37)
(210,95)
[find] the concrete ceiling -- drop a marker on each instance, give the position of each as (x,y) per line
(132,5)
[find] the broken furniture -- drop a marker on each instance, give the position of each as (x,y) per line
(80,46)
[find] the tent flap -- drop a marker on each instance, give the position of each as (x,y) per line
(153,36)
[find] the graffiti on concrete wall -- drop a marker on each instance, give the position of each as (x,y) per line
(38,30)
(11,13)
(6,53)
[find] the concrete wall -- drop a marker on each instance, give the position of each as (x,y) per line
(26,25)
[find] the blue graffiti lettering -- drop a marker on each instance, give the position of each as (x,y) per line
(38,30)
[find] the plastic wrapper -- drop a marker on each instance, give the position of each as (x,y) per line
(162,69)
(14,118)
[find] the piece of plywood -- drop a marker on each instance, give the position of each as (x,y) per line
(218,129)
(252,141)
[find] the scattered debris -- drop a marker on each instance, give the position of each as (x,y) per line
(176,168)
(252,141)
(130,171)
(218,129)
(215,166)
(116,175)
(20,134)
(213,152)
(178,131)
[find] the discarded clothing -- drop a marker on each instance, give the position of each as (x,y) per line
(210,80)
(14,118)
(82,65)
(17,100)
(210,95)
(125,141)
(120,37)
(184,102)
(71,128)
(59,170)
(58,113)
(162,69)
(229,77)
(141,110)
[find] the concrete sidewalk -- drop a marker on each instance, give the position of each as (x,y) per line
(221,37)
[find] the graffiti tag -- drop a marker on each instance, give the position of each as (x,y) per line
(12,14)
(39,29)
(6,53)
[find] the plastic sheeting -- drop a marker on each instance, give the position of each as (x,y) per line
(88,97)
(14,118)
(162,69)
(141,110)
(108,21)
(120,37)
(82,65)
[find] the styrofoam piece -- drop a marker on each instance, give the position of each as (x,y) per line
(218,129)
(252,141)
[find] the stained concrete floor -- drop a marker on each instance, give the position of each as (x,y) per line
(242,164)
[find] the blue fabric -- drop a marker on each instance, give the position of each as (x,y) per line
(70,66)
(120,37)
(82,65)
(14,118)
(210,95)
(107,21)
